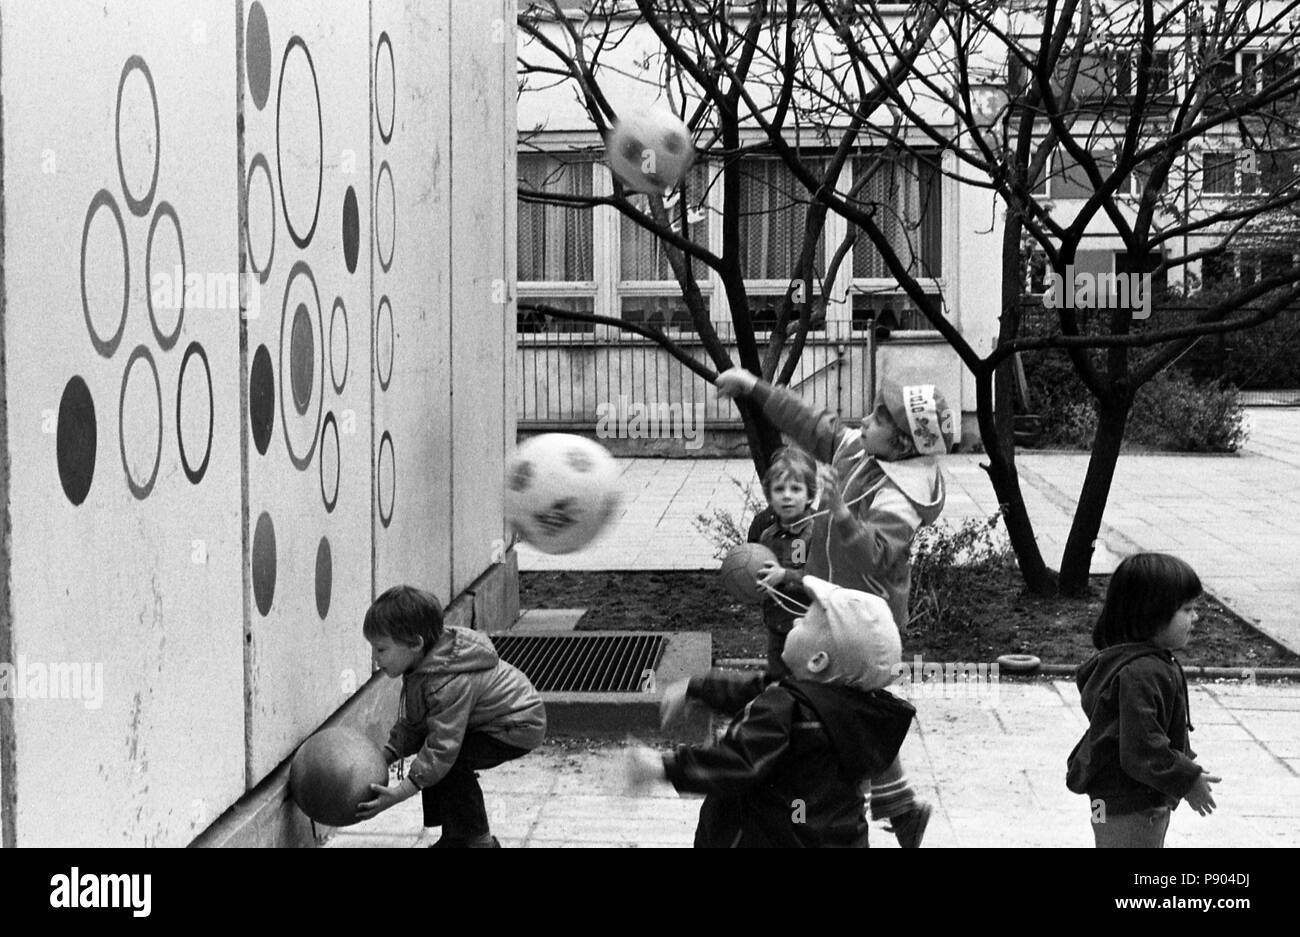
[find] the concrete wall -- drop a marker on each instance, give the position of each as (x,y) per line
(201,504)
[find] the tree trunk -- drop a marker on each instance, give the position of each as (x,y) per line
(1006,485)
(1077,560)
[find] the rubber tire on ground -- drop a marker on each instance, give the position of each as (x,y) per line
(1018,663)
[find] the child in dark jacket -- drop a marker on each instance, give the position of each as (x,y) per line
(791,767)
(790,484)
(1135,762)
(882,486)
(463,710)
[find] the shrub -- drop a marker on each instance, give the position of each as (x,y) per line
(1171,412)
(723,530)
(949,564)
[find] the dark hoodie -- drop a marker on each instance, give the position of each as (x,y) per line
(1135,754)
(791,767)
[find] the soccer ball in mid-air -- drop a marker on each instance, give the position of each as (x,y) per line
(650,151)
(560,491)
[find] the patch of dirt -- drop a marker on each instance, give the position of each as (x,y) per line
(1000,618)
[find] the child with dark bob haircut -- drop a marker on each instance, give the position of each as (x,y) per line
(463,709)
(1135,762)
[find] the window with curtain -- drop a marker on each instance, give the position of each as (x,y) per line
(642,256)
(555,242)
(907,193)
(773,212)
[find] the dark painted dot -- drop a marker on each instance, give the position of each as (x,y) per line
(261,399)
(257,51)
(351,229)
(76,440)
(324,577)
(302,358)
(264,563)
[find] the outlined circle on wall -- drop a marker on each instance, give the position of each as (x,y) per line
(190,389)
(324,577)
(339,333)
(386,479)
(138,206)
(263,218)
(300,112)
(105,346)
(300,269)
(385,86)
(385,340)
(351,229)
(166,340)
(385,215)
(261,399)
(330,462)
(138,441)
(257,54)
(76,440)
(263,563)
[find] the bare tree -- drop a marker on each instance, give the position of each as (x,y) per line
(1122,101)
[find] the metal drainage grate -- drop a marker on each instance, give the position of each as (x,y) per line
(584,663)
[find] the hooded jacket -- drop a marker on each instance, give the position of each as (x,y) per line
(789,771)
(461,686)
(888,501)
(790,546)
(1136,752)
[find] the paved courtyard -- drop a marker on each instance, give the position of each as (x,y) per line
(1235,518)
(979,758)
(990,758)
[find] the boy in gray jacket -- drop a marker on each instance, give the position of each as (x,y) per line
(463,709)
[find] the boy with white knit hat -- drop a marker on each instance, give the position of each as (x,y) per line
(884,484)
(790,769)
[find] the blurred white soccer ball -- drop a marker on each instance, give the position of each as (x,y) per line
(561,490)
(650,151)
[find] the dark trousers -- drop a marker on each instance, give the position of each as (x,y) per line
(456,802)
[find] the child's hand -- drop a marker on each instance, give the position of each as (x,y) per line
(735,382)
(642,766)
(772,574)
(1199,797)
(385,797)
(828,485)
(674,704)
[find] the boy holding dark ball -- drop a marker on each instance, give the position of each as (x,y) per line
(463,710)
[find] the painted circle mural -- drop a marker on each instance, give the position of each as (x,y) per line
(194,412)
(76,440)
(137,122)
(139,422)
(166,304)
(104,297)
(299,142)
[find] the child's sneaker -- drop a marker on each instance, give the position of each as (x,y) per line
(910,827)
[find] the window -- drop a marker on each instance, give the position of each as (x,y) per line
(648,289)
(907,192)
(555,244)
(1229,172)
(773,211)
(1234,270)
(891,310)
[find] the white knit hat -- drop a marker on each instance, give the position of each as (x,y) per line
(865,647)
